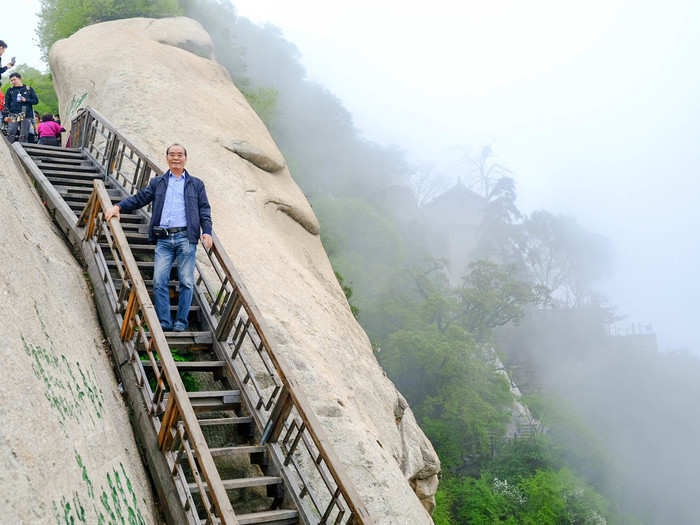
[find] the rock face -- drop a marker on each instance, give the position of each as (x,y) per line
(65,440)
(142,75)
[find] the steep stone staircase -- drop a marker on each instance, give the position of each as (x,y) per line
(226,436)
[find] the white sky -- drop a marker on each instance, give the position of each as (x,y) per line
(594,105)
(19,33)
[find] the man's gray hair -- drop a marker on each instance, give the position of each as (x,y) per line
(176,144)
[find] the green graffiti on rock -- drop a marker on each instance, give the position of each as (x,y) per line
(115,502)
(71,389)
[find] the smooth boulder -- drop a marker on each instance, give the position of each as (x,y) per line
(134,77)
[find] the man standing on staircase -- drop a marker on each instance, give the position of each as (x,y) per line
(180,209)
(18,111)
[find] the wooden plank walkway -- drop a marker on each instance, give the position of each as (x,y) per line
(226,437)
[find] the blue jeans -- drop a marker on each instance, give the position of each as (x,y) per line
(175,247)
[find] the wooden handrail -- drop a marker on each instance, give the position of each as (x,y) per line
(117,133)
(298,399)
(272,417)
(139,300)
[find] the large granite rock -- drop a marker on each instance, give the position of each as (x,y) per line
(141,76)
(67,453)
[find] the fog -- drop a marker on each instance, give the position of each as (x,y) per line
(593,106)
(592,110)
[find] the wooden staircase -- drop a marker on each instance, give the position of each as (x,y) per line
(227,438)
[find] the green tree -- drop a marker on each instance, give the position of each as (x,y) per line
(61,18)
(548,497)
(490,296)
(493,296)
(263,101)
(561,255)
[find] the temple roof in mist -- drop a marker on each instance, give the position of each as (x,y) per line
(457,196)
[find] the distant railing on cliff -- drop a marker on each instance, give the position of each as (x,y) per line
(314,474)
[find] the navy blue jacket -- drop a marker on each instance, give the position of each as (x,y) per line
(197,207)
(12,105)
(2,68)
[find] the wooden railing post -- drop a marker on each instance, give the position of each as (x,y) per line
(228,316)
(169,418)
(127,331)
(279,414)
(112,148)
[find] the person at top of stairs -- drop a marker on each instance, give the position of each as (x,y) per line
(49,131)
(18,110)
(180,209)
(3,48)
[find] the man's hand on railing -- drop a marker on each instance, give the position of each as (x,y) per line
(207,241)
(112,212)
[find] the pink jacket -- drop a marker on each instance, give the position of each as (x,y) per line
(49,129)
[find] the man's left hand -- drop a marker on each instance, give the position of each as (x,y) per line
(207,241)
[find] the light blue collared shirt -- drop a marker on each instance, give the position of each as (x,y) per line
(174,214)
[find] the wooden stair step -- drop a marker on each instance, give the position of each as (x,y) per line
(215,399)
(215,421)
(63,161)
(76,168)
(193,308)
(239,449)
(128,226)
(272,517)
(136,247)
(45,147)
(55,152)
(193,366)
(138,241)
(148,282)
(73,175)
(134,237)
(76,207)
(141,264)
(242,483)
(83,192)
(204,337)
(71,198)
(62,181)
(267,517)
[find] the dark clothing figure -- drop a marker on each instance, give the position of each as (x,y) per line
(19,111)
(3,68)
(15,104)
